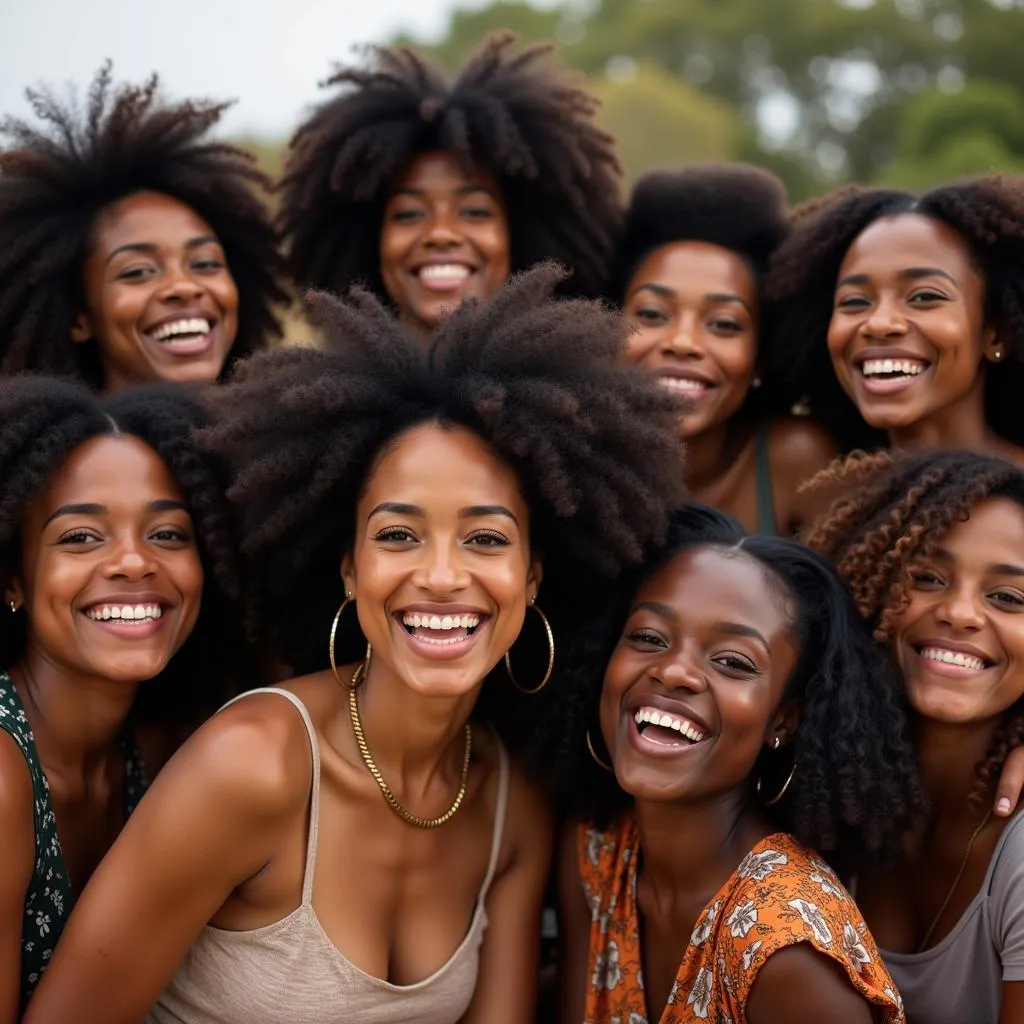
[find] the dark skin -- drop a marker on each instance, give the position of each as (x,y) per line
(722,663)
(971,594)
(441,522)
(110,525)
(695,308)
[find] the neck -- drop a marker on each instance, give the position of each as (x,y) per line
(961,425)
(694,848)
(948,755)
(76,719)
(710,454)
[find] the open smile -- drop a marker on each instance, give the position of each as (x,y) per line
(128,620)
(185,335)
(439,634)
(658,732)
(955,662)
(443,277)
(887,376)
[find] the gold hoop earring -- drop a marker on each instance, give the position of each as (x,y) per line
(593,754)
(360,673)
(551,656)
(781,793)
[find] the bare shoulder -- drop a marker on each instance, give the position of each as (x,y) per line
(799,447)
(529,819)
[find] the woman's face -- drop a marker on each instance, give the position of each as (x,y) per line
(693,689)
(694,307)
(444,238)
(110,577)
(441,569)
(160,301)
(960,643)
(908,335)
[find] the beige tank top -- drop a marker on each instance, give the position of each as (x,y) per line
(288,972)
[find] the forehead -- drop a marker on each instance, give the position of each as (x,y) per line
(992,534)
(893,244)
(147,217)
(693,267)
(110,470)
(438,171)
(441,467)
(711,584)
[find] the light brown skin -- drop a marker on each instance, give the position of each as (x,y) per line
(963,596)
(76,681)
(695,308)
(694,816)
(908,285)
(437,214)
(404,900)
(152,258)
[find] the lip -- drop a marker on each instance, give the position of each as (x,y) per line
(200,346)
(440,652)
(956,646)
(666,704)
(883,387)
(942,668)
(443,286)
(117,627)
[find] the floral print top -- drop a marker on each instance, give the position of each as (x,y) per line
(779,895)
(49,899)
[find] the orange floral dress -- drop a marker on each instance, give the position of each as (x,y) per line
(779,895)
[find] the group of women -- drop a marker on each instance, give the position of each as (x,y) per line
(326,668)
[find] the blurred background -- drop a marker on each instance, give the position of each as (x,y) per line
(902,92)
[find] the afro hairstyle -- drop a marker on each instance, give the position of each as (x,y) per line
(988,212)
(507,113)
(43,420)
(537,379)
(855,786)
(58,177)
(738,207)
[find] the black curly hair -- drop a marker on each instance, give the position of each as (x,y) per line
(988,212)
(855,786)
(897,511)
(42,421)
(529,126)
(537,379)
(738,207)
(58,177)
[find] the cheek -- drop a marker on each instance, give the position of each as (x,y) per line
(55,583)
(226,293)
(120,308)
(493,244)
(642,343)
(187,577)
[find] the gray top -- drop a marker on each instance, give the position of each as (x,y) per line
(960,979)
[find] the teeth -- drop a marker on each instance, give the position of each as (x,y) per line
(667,721)
(682,384)
(414,620)
(906,367)
(125,613)
(195,325)
(444,272)
(952,658)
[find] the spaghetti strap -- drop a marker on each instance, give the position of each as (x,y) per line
(763,469)
(314,799)
(500,809)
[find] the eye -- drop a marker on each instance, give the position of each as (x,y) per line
(78,538)
(405,216)
(927,295)
(171,535)
(208,265)
(852,302)
(477,212)
(646,638)
(736,663)
(649,317)
(725,325)
(394,535)
(1010,599)
(487,539)
(136,274)
(926,579)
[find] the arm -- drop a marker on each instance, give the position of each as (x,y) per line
(573,930)
(1012,1009)
(212,819)
(17,826)
(506,989)
(798,985)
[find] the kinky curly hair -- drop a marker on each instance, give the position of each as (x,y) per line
(855,784)
(894,518)
(506,113)
(57,178)
(43,420)
(735,206)
(987,212)
(537,379)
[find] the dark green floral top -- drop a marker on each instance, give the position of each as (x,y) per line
(49,899)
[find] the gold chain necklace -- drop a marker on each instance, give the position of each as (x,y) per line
(408,816)
(956,881)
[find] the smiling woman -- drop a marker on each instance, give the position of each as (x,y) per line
(109,515)
(132,246)
(427,500)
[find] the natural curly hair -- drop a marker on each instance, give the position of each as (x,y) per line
(987,212)
(855,786)
(897,510)
(507,113)
(535,378)
(43,420)
(738,207)
(57,177)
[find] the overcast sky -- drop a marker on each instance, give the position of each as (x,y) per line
(267,54)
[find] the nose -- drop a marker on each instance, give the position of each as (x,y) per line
(443,229)
(129,560)
(180,285)
(684,340)
(441,569)
(885,321)
(678,671)
(961,609)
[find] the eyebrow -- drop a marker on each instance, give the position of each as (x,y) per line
(670,293)
(730,628)
(470,512)
(1000,568)
(910,274)
(149,247)
(463,190)
(93,509)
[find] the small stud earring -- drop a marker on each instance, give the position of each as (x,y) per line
(13,606)
(756,382)
(776,743)
(997,355)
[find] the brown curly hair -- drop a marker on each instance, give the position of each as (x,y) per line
(896,511)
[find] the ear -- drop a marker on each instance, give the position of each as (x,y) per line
(348,573)
(784,724)
(81,328)
(534,575)
(13,592)
(997,343)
